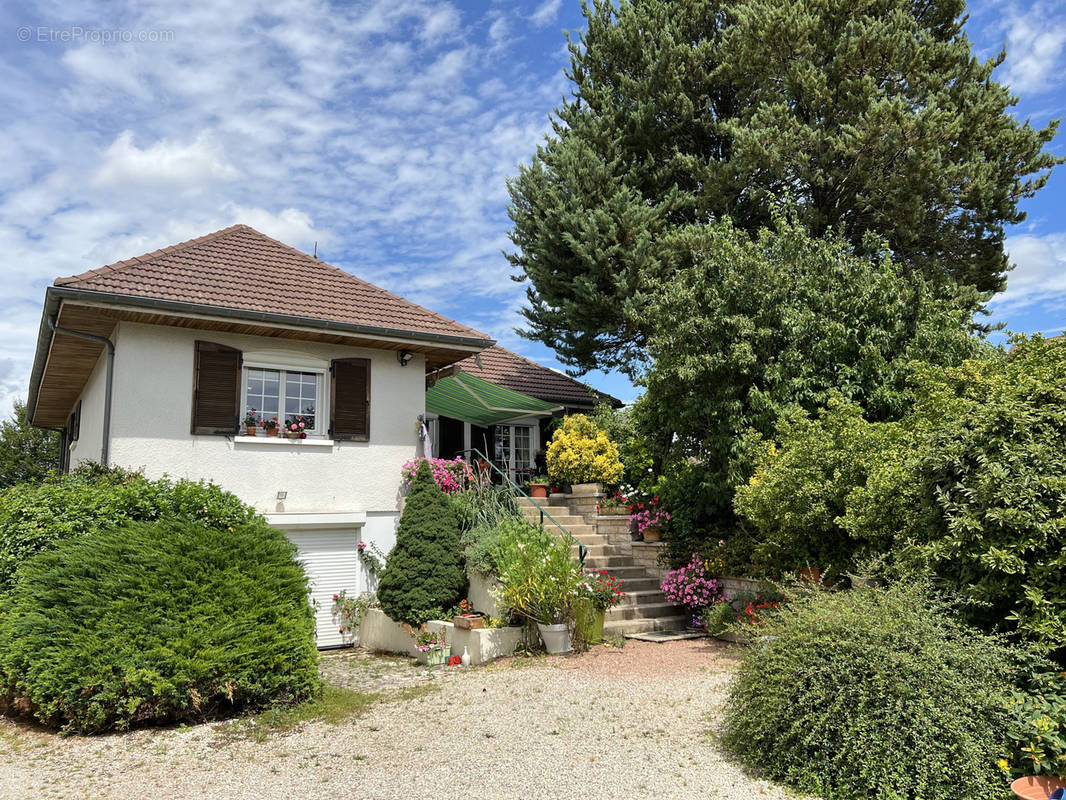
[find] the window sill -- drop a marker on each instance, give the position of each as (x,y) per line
(281,441)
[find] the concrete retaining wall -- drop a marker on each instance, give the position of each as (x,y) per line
(379,633)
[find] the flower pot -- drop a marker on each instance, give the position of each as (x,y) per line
(614,511)
(810,574)
(538,490)
(1036,787)
(250,430)
(435,657)
(272,431)
(865,582)
(653,534)
(588,626)
(469,622)
(585,489)
(556,638)
(292,434)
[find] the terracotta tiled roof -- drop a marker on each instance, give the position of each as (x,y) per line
(502,367)
(240,268)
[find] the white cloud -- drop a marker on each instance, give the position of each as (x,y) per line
(1039,274)
(165,163)
(1036,41)
(546,13)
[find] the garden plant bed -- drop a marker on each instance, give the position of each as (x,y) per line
(649,710)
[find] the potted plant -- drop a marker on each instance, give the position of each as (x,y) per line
(538,486)
(295,428)
(251,422)
(541,582)
(433,648)
(270,426)
(693,587)
(467,618)
(600,591)
(615,505)
(1039,787)
(581,454)
(648,519)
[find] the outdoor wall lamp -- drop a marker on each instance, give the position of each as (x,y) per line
(404,357)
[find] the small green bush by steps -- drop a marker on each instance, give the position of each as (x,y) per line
(874,693)
(424,572)
(35,517)
(154,623)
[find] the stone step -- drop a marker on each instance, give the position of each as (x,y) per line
(632,585)
(645,611)
(642,597)
(621,627)
(566,520)
(597,551)
(608,562)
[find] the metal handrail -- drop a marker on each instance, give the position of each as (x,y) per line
(582,551)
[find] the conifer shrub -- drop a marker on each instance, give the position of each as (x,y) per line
(874,693)
(157,622)
(424,573)
(35,516)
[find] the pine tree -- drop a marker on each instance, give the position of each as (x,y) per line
(424,573)
(867,115)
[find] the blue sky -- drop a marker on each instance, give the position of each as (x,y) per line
(383,130)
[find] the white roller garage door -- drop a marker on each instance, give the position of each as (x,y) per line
(328,545)
(332,563)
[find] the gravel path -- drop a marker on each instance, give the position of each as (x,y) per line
(612,723)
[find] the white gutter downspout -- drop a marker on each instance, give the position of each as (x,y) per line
(105,448)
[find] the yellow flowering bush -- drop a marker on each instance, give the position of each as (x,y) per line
(580,452)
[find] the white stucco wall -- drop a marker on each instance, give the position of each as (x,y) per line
(89,446)
(151,429)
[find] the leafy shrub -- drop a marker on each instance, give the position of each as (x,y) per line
(35,517)
(538,577)
(157,622)
(802,484)
(481,545)
(980,496)
(483,506)
(424,572)
(873,693)
(1037,726)
(580,452)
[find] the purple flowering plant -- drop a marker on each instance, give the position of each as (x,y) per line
(450,474)
(692,586)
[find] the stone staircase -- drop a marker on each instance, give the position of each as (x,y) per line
(644,607)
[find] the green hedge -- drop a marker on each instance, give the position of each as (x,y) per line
(35,517)
(157,622)
(874,693)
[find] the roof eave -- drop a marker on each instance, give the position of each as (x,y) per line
(54,295)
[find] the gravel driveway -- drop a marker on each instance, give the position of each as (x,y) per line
(612,723)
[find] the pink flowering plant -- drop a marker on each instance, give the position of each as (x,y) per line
(648,515)
(451,475)
(692,586)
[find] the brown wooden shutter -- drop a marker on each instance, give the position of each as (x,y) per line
(349,407)
(216,394)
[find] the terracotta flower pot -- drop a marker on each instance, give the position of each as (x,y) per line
(1036,787)
(538,490)
(810,574)
(653,534)
(250,430)
(272,431)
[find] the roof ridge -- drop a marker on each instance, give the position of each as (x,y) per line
(542,366)
(119,266)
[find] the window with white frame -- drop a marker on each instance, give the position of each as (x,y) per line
(286,395)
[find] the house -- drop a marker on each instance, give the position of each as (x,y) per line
(498,419)
(154,362)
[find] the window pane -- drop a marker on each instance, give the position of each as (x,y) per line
(262,392)
(521,446)
(301,397)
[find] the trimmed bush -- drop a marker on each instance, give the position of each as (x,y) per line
(873,693)
(35,517)
(424,573)
(580,452)
(154,623)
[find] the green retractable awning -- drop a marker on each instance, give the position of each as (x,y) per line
(479,402)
